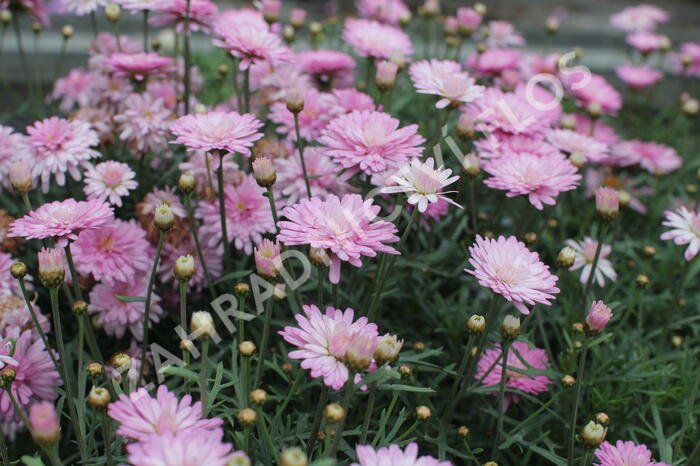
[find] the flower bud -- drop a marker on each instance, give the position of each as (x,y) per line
(405,370)
(450,26)
(334,413)
(398,58)
(8,375)
(186,345)
(577,159)
(238,458)
(241,289)
(295,100)
(319,257)
(247,417)
(463,431)
(187,183)
(293,457)
(598,317)
(43,423)
(476,324)
(52,269)
(676,341)
(552,25)
(593,434)
(530,237)
(315,30)
(184,268)
(112,12)
(471,165)
(164,218)
(387,349)
(386,75)
(469,19)
(577,327)
(5,16)
(642,281)
(594,109)
(690,108)
(271,10)
(258,397)
(490,463)
(431,8)
(465,126)
(510,328)
(264,172)
(18,270)
(94,369)
(423,413)
(568,121)
(246,348)
(297,17)
(566,257)
(267,259)
(99,398)
(202,325)
(602,418)
(649,251)
(481,9)
(360,351)
(288,33)
(568,381)
(121,362)
(607,203)
(21,177)
(80,307)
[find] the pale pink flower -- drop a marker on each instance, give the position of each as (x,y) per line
(62,220)
(13,148)
(494,61)
(329,68)
(585,253)
(499,144)
(144,123)
(221,131)
(386,11)
(238,19)
(202,14)
(423,182)
(598,317)
(690,51)
(642,17)
(319,109)
(139,415)
(60,146)
(193,447)
(597,178)
(139,5)
(625,454)
(647,41)
(139,66)
(252,44)
(507,267)
(638,77)
(76,89)
(267,259)
(277,82)
(533,384)
(350,99)
(35,8)
(684,229)
(394,456)
(533,64)
(109,181)
(597,92)
(43,422)
(445,79)
(323,339)
(607,202)
(541,179)
(503,34)
(575,143)
(370,141)
(99,119)
(600,131)
(345,227)
(16,317)
(163,196)
(654,158)
(81,7)
(468,20)
(375,40)
(5,358)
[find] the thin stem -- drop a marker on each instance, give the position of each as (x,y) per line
(695,455)
(241,320)
(408,432)
(210,182)
(81,375)
(534,415)
(290,394)
(368,413)
(577,401)
(145,30)
(187,58)
(198,246)
(675,296)
(246,89)
(183,304)
(320,287)
(349,388)
(37,326)
(107,437)
(387,414)
(262,425)
(264,342)
(3,450)
(236,87)
(93,23)
(18,409)
(203,385)
(688,412)
(273,207)
(300,147)
(147,307)
(318,417)
(472,205)
(61,55)
(222,211)
(594,266)
(495,451)
(27,204)
(459,375)
(73,274)
(20,50)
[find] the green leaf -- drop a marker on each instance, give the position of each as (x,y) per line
(324,462)
(130,299)
(32,461)
(406,388)
(232,275)
(180,372)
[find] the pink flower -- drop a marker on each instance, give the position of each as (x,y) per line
(202,14)
(197,165)
(139,5)
(574,143)
(386,11)
(654,158)
(423,182)
(598,316)
(585,253)
(43,422)
(248,215)
(602,132)
(370,141)
(230,132)
(62,220)
(52,266)
(144,122)
(375,40)
(515,377)
(194,447)
(688,51)
(36,9)
(344,226)
(6,346)
(267,259)
(541,179)
(638,77)
(319,109)
(639,18)
(252,45)
(140,415)
(171,252)
(323,339)
(349,100)
(139,66)
(499,144)
(468,20)
(596,178)
(684,229)
(118,251)
(75,89)
(116,315)
(507,267)
(163,196)
(494,61)
(445,79)
(60,146)
(13,148)
(394,456)
(624,454)
(109,181)
(503,34)
(328,67)
(607,202)
(16,317)
(597,92)
(647,41)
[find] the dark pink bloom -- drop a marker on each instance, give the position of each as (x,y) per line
(139,66)
(330,68)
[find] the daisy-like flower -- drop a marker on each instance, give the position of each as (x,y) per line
(141,415)
(624,454)
(329,68)
(218,131)
(202,14)
(599,93)
(253,45)
(499,143)
(585,253)
(684,229)
(139,5)
(75,89)
(503,34)
(492,361)
(349,100)
(139,66)
(194,447)
(15,318)
(60,146)
(323,340)
(109,181)
(248,215)
(319,109)
(344,227)
(541,179)
(36,9)
(578,144)
(423,182)
(688,51)
(601,131)
(393,455)
(370,141)
(116,315)
(13,148)
(507,267)
(375,40)
(654,158)
(144,123)
(638,77)
(642,17)
(386,11)
(118,251)
(62,220)
(494,61)
(445,79)
(82,7)
(647,41)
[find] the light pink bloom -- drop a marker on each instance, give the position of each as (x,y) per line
(140,415)
(109,181)
(13,148)
(62,220)
(139,66)
(319,109)
(115,315)
(375,40)
(370,141)
(267,259)
(602,132)
(654,158)
(647,41)
(163,196)
(624,454)
(494,61)
(585,252)
(252,45)
(598,317)
(386,11)
(423,182)
(349,100)
(507,267)
(16,317)
(60,146)
(144,123)
(638,77)
(81,7)
(597,92)
(5,358)
(238,19)
(194,447)
(78,88)
(445,79)
(642,17)
(323,339)
(202,14)
(230,132)
(36,9)
(344,227)
(43,422)
(499,144)
(503,34)
(329,68)
(685,229)
(571,142)
(515,378)
(597,178)
(533,64)
(394,456)
(691,51)
(607,202)
(139,5)
(468,20)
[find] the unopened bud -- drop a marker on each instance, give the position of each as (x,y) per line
(288,33)
(247,417)
(423,413)
(184,268)
(471,165)
(319,257)
(642,281)
(530,237)
(187,183)
(295,100)
(463,431)
(405,370)
(552,25)
(465,126)
(241,289)
(293,457)
(566,258)
(676,341)
(568,381)
(334,413)
(8,375)
(94,369)
(99,398)
(164,218)
(594,109)
(386,75)
(476,324)
(18,270)
(607,203)
(690,108)
(202,325)
(481,9)
(577,327)
(258,397)
(246,348)
(121,362)
(649,251)
(5,16)
(419,346)
(21,177)
(387,349)
(297,17)
(264,172)
(398,58)
(112,12)
(510,328)
(577,159)
(593,434)
(67,31)
(80,307)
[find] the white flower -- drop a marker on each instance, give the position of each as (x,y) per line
(445,79)
(423,182)
(685,229)
(585,252)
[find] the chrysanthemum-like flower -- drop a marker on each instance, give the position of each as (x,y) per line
(597,92)
(35,8)
(510,269)
(139,5)
(503,34)
(248,215)
(624,454)
(515,378)
(585,252)
(423,182)
(344,227)
(115,252)
(642,17)
(15,318)
(370,141)
(349,100)
(445,79)
(13,147)
(691,52)
(386,11)
(194,447)
(116,315)
(140,415)
(139,66)
(647,41)
(494,61)
(602,132)
(75,89)
(253,45)
(329,68)
(109,181)
(144,123)
(638,77)
(202,14)
(394,456)
(323,340)
(375,40)
(230,132)
(62,220)
(499,144)
(82,7)
(60,146)
(575,143)
(685,229)
(541,179)
(654,158)
(319,109)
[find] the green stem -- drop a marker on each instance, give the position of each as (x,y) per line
(408,432)
(318,417)
(320,287)
(695,455)
(534,415)
(676,297)
(187,58)
(290,394)
(236,88)
(266,433)
(93,23)
(349,388)
(81,375)
(183,305)
(197,244)
(73,274)
(27,204)
(246,89)
(458,377)
(20,50)
(3,450)
(107,437)
(203,385)
(594,266)
(385,418)
(61,57)
(472,205)
(687,413)
(241,320)
(37,326)
(300,147)
(264,341)
(18,409)
(495,451)
(273,207)
(577,401)
(368,413)
(147,307)
(222,211)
